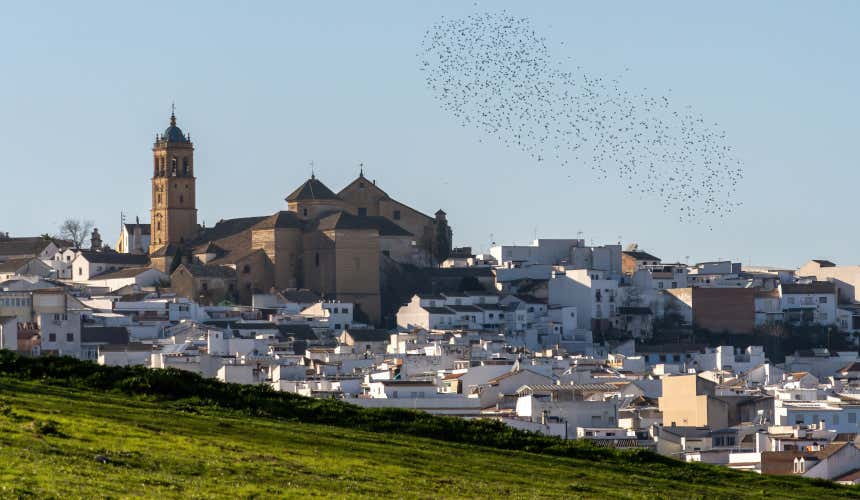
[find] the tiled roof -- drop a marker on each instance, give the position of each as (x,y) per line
(299,295)
(114,335)
(28,245)
(640,255)
(208,271)
(126,259)
(369,335)
(312,189)
(129,272)
(280,220)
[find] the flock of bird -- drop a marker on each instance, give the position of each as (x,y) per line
(493,72)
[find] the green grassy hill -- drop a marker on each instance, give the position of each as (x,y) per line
(71,429)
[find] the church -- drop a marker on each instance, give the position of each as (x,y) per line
(331,243)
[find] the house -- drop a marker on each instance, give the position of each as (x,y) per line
(9,333)
(205,284)
(490,392)
(365,339)
(689,401)
(832,461)
(633,260)
(94,338)
(60,333)
(134,238)
(130,276)
(428,312)
(30,247)
(26,266)
(394,389)
(576,405)
(847,278)
(715,309)
(809,303)
(88,264)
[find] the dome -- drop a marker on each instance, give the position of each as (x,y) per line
(173,133)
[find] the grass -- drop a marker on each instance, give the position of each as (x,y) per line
(64,441)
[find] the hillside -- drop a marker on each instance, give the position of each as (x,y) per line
(62,436)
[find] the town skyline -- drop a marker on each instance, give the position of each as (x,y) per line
(275,119)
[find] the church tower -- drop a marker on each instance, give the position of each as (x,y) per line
(174,209)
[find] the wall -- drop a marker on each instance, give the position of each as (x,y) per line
(724,309)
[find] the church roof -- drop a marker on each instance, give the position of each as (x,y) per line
(312,189)
(280,220)
(344,220)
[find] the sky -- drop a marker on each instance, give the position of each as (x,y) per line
(265,88)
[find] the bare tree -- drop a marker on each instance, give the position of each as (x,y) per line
(76,231)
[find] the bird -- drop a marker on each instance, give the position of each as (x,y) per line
(494,73)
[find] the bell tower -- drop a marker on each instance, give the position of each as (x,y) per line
(174,209)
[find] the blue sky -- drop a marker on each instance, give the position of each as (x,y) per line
(265,88)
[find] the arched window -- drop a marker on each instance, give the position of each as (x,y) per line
(158,226)
(173,170)
(180,199)
(185,166)
(155,165)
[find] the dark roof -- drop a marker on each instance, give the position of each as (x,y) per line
(280,220)
(643,311)
(300,295)
(489,307)
(28,245)
(814,287)
(166,251)
(851,367)
(114,335)
(297,331)
(129,272)
(10,266)
(206,271)
(144,228)
(312,189)
(437,310)
(123,259)
(345,220)
(638,255)
(369,335)
(430,296)
(824,263)
(210,248)
(225,228)
(386,227)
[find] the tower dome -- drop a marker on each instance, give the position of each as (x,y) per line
(173,133)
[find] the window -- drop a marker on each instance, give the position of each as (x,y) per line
(822,300)
(246,269)
(181,199)
(362,211)
(52,337)
(80,271)
(852,418)
(317,259)
(204,286)
(305,212)
(70,337)
(397,215)
(674,284)
(337,326)
(185,166)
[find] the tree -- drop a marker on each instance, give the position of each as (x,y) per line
(76,231)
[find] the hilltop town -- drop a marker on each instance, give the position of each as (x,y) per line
(357,296)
